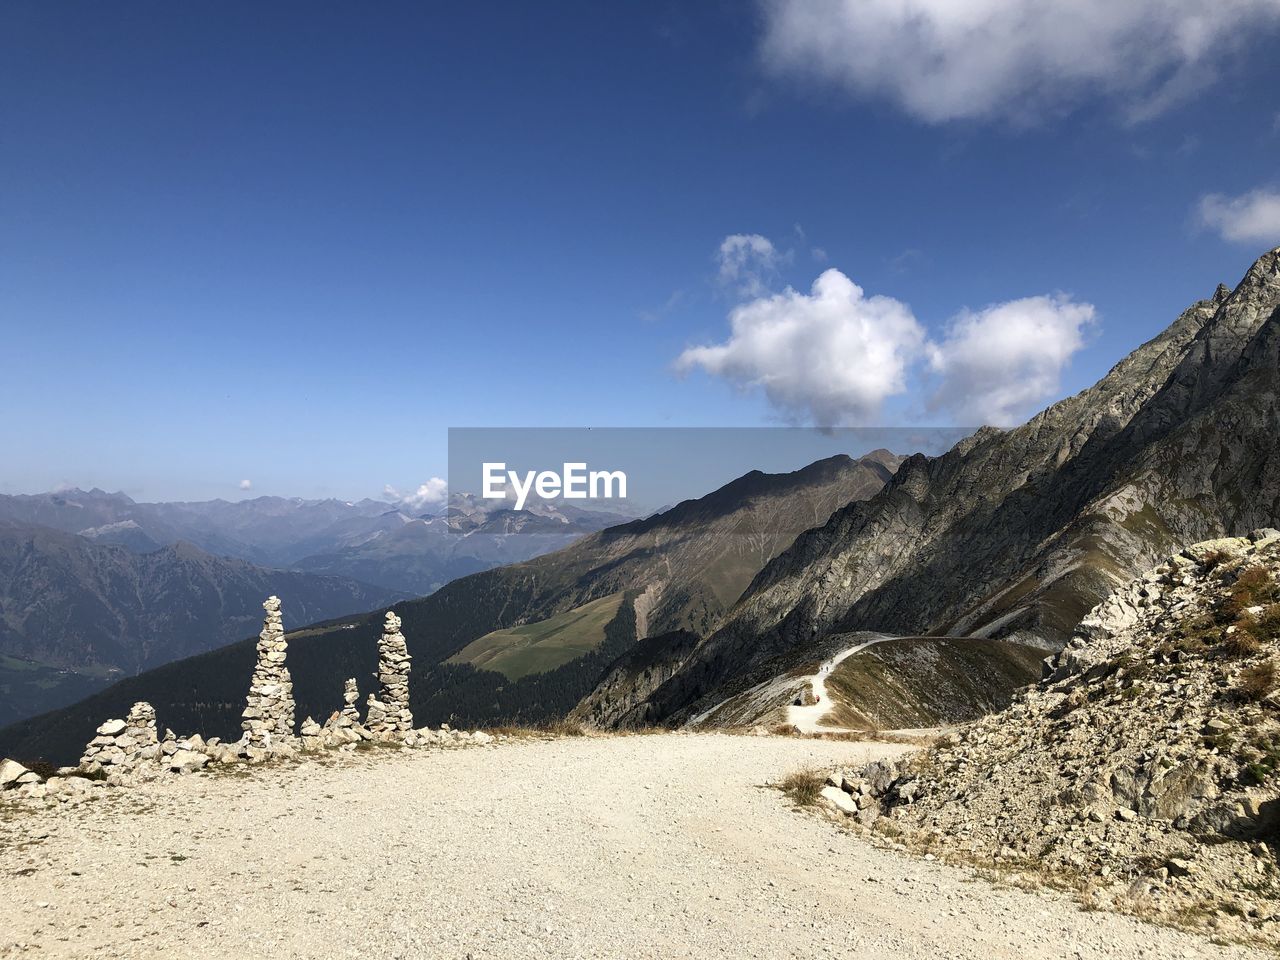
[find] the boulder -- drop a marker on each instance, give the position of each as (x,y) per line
(187,761)
(10,772)
(840,800)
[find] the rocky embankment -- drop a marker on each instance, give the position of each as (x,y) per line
(1142,771)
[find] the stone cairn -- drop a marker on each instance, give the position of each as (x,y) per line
(350,697)
(129,751)
(389,714)
(122,745)
(343,726)
(269,713)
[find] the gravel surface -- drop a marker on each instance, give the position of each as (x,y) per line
(644,846)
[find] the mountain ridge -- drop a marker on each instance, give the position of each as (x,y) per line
(1016,534)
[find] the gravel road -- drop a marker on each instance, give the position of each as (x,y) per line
(626,847)
(808,719)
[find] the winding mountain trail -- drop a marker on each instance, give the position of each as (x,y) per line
(806,718)
(656,846)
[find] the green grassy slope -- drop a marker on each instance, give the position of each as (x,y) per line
(926,682)
(542,646)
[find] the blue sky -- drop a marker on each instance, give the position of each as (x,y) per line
(294,243)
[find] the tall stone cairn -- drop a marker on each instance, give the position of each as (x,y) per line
(269,713)
(350,697)
(389,713)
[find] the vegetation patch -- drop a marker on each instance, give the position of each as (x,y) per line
(543,646)
(926,681)
(804,787)
(1257,681)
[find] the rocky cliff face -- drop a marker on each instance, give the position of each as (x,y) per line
(1016,534)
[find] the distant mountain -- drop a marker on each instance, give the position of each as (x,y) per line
(383,544)
(268,530)
(1016,534)
(676,571)
(74,612)
(123,533)
(419,555)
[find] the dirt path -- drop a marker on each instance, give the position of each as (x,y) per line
(646,846)
(807,719)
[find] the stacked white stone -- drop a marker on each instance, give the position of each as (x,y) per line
(389,714)
(350,697)
(343,726)
(140,724)
(121,745)
(269,713)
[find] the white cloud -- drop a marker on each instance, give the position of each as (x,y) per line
(999,364)
(747,262)
(945,60)
(433,491)
(831,356)
(246,484)
(834,355)
(1252,217)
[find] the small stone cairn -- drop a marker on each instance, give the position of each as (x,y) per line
(350,697)
(121,746)
(269,713)
(389,715)
(343,726)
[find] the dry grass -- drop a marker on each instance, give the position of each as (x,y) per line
(1267,624)
(1241,642)
(1214,559)
(804,787)
(1258,681)
(551,728)
(1255,585)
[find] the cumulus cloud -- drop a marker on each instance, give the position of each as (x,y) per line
(943,60)
(246,484)
(1252,217)
(831,355)
(998,364)
(432,492)
(747,262)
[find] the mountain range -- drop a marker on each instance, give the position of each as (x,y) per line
(1017,534)
(95,586)
(409,550)
(671,574)
(1009,537)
